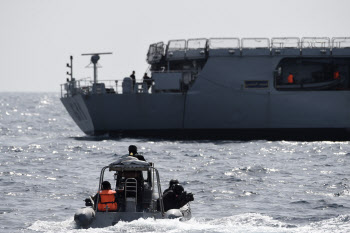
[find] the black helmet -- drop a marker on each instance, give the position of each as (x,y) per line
(173,182)
(132,149)
(178,189)
(106,185)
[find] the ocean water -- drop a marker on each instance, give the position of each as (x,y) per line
(48,167)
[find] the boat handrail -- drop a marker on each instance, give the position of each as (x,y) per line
(99,186)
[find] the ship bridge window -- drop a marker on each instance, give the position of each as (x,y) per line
(316,74)
(176,45)
(176,50)
(155,52)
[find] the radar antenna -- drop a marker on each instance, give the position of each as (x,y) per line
(94,59)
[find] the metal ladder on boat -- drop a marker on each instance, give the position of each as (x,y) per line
(130,195)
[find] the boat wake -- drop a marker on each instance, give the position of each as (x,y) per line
(250,222)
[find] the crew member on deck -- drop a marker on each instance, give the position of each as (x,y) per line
(147,80)
(290,78)
(133,153)
(108,198)
(133,77)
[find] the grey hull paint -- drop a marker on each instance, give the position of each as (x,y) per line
(216,101)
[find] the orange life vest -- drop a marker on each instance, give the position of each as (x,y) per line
(336,75)
(107,198)
(290,78)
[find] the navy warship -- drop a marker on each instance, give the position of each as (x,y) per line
(222,87)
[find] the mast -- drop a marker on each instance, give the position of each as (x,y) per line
(94,59)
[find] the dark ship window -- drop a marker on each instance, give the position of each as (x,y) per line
(299,74)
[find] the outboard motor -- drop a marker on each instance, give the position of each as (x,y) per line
(173,213)
(84,216)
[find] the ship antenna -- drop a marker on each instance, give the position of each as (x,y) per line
(94,59)
(71,68)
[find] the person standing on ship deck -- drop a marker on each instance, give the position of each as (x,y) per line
(133,77)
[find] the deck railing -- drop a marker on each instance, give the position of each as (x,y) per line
(277,42)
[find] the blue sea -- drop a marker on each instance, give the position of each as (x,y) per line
(48,167)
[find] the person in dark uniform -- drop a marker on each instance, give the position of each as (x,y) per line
(147,80)
(176,198)
(172,183)
(133,153)
(133,77)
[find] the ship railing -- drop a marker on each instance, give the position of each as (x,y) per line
(255,47)
(255,43)
(341,42)
(224,47)
(180,49)
(315,42)
(285,42)
(84,86)
(224,43)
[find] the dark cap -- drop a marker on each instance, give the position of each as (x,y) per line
(173,182)
(132,149)
(106,185)
(178,189)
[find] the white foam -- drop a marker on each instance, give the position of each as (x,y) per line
(248,223)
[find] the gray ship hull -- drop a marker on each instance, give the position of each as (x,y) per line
(218,103)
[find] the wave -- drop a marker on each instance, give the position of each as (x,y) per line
(250,222)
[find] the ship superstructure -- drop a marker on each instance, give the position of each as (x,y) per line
(223,86)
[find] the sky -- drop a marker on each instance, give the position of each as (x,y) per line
(38,36)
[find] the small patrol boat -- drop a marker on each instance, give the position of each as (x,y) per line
(138,195)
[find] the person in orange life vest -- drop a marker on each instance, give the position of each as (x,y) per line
(336,75)
(290,78)
(108,197)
